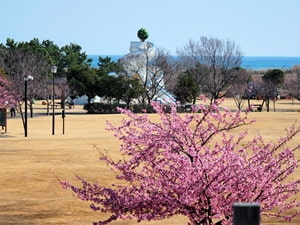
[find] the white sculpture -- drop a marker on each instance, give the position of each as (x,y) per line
(138,62)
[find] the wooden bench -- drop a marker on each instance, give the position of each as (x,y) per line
(258,107)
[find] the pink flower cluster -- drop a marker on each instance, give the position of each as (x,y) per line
(193,165)
(7,98)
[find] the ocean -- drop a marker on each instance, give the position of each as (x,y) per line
(249,62)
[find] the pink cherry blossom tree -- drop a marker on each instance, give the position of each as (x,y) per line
(7,98)
(193,165)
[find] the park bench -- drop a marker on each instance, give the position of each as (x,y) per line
(258,107)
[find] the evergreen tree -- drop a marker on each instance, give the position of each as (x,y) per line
(187,89)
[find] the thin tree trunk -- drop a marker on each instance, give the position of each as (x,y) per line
(31,109)
(22,115)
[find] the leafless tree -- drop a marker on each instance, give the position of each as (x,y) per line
(210,60)
(292,83)
(19,63)
(268,91)
(240,79)
(155,70)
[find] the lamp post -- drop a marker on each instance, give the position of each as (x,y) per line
(26,78)
(63,113)
(53,71)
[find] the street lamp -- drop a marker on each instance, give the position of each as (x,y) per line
(63,113)
(53,70)
(26,78)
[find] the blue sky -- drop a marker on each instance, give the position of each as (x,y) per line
(106,27)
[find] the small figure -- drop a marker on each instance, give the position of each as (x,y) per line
(13,112)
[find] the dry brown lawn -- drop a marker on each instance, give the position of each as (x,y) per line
(30,192)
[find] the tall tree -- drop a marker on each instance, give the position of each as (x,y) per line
(83,81)
(25,59)
(74,65)
(187,89)
(240,78)
(270,86)
(210,60)
(111,82)
(193,166)
(133,89)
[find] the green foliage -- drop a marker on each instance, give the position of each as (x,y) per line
(46,48)
(276,76)
(187,89)
(53,52)
(142,34)
(72,56)
(114,84)
(103,108)
(106,65)
(133,89)
(139,108)
(83,81)
(108,108)
(69,56)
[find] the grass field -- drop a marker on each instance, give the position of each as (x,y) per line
(30,193)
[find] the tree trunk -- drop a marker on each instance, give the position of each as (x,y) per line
(194,100)
(262,104)
(31,109)
(128,100)
(268,105)
(62,101)
(149,100)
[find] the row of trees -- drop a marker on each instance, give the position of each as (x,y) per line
(182,165)
(34,58)
(210,66)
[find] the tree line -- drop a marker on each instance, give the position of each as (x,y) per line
(209,65)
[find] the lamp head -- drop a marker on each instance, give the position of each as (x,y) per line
(28,77)
(53,69)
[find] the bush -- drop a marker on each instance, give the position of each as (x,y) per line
(103,108)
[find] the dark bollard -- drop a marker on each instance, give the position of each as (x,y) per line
(63,115)
(246,214)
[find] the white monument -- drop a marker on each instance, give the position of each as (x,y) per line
(138,61)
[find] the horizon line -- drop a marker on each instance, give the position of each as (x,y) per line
(294,56)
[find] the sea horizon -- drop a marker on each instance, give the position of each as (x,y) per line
(248,62)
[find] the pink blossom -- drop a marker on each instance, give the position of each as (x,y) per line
(7,98)
(192,165)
